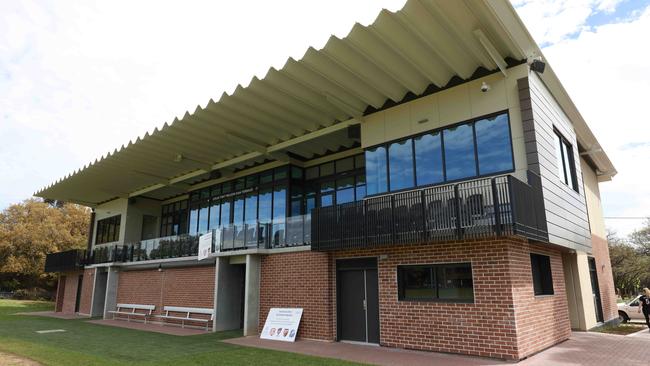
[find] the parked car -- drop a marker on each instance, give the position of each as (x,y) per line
(630,310)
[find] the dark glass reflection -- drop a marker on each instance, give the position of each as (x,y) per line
(203,218)
(460,161)
(428,159)
(214,214)
(265,205)
(194,218)
(238,211)
(493,145)
(376,172)
(400,161)
(251,208)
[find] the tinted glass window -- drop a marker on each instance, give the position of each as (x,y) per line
(265,205)
(437,282)
(194,218)
(203,217)
(238,210)
(376,170)
(251,208)
(225,212)
(542,277)
(344,165)
(327,169)
(493,145)
(400,160)
(455,281)
(214,214)
(280,203)
(428,159)
(417,283)
(459,152)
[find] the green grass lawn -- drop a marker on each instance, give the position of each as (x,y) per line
(621,329)
(90,344)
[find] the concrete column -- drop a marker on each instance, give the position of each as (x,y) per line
(99,293)
(582,312)
(228,293)
(110,302)
(252,294)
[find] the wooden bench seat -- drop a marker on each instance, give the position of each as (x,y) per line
(170,312)
(145,311)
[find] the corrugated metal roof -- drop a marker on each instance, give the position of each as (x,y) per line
(427,42)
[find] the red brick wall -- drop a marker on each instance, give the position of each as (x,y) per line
(87,291)
(186,286)
(541,320)
(605,277)
(70,291)
(300,279)
(505,320)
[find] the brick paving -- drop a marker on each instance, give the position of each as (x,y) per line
(592,349)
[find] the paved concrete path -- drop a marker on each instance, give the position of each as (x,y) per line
(150,327)
(591,349)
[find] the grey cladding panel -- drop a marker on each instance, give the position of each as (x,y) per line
(566,210)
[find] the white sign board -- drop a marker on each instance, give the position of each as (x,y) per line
(282,324)
(205,245)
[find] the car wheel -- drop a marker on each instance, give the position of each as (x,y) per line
(623,317)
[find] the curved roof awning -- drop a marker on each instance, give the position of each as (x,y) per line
(304,109)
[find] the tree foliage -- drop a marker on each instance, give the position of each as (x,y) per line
(630,260)
(31,229)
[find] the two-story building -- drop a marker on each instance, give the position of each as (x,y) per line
(425,182)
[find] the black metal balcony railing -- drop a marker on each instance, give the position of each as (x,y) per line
(482,208)
(477,209)
(292,231)
(70,260)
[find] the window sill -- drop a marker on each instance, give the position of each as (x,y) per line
(440,301)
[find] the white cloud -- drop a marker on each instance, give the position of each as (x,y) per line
(606,72)
(551,21)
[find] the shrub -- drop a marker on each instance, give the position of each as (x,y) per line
(36,293)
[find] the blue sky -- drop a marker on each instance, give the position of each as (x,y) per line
(83,77)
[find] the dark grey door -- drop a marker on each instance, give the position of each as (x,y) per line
(358,300)
(78,300)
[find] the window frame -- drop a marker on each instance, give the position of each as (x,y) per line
(566,145)
(103,229)
(433,267)
(547,288)
(440,130)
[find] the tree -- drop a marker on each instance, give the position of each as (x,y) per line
(630,260)
(33,228)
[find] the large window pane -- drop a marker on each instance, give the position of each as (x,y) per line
(493,145)
(225,212)
(214,214)
(436,282)
(251,208)
(376,170)
(265,205)
(416,283)
(238,210)
(459,152)
(400,163)
(280,202)
(428,159)
(203,217)
(455,282)
(194,218)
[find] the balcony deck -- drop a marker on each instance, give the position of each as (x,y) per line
(484,208)
(493,207)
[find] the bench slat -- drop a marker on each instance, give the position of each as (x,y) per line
(137,306)
(181,309)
